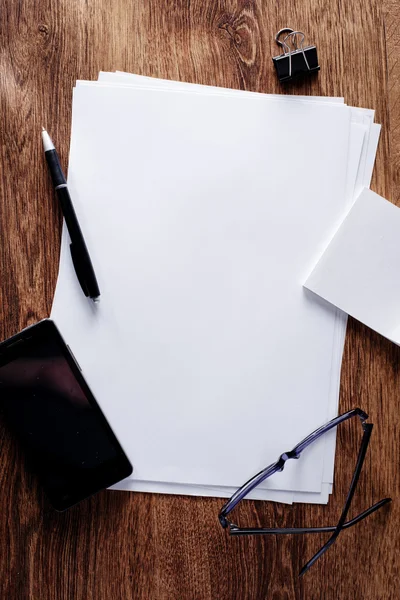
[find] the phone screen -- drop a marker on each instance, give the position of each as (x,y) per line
(46,401)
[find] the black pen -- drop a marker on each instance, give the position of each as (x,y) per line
(79,252)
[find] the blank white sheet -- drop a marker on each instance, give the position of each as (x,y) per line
(131,485)
(222,208)
(275,495)
(143,80)
(361,123)
(358,272)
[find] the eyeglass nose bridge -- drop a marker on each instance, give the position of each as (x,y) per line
(286,456)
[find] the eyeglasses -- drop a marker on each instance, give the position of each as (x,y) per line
(279,465)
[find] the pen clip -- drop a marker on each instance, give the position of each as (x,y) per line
(77,267)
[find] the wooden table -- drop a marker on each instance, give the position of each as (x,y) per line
(135,546)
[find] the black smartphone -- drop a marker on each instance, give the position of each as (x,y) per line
(44,398)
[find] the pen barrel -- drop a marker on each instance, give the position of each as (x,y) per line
(56,172)
(79,252)
(70,217)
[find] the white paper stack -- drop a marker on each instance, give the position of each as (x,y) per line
(204,210)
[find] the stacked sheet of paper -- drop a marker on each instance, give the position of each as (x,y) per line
(358,271)
(205,210)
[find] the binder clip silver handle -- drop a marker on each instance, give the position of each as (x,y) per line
(279,42)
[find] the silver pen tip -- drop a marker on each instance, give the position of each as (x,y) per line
(47,143)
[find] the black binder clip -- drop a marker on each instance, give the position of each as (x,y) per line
(295,60)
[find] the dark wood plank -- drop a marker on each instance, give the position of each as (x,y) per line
(126,546)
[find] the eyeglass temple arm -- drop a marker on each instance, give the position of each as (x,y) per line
(360,461)
(235,530)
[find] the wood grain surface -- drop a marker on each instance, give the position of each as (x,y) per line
(135,546)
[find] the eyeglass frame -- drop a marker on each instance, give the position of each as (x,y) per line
(279,465)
